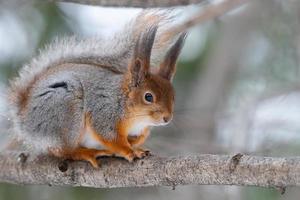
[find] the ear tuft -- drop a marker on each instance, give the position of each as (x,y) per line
(167,68)
(140,64)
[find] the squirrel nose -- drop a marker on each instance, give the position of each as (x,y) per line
(166,118)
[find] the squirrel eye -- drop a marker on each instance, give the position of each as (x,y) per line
(149,97)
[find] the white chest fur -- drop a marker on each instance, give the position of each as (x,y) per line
(137,128)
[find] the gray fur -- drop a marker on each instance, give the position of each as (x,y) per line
(103,99)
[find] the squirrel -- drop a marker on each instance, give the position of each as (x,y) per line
(80,99)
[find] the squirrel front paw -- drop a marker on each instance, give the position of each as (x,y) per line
(141,153)
(138,153)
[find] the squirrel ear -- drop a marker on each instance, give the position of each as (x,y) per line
(167,68)
(140,64)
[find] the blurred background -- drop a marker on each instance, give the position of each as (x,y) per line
(237,85)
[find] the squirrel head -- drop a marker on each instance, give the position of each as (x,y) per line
(150,99)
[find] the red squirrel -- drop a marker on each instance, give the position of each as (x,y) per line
(84,98)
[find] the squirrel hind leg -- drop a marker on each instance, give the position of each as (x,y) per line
(81,154)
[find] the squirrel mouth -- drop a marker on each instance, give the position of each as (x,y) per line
(161,123)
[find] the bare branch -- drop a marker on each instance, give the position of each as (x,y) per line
(153,171)
(135,3)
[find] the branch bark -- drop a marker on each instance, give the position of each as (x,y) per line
(153,171)
(135,3)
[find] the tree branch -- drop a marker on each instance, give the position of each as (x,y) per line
(153,171)
(135,3)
